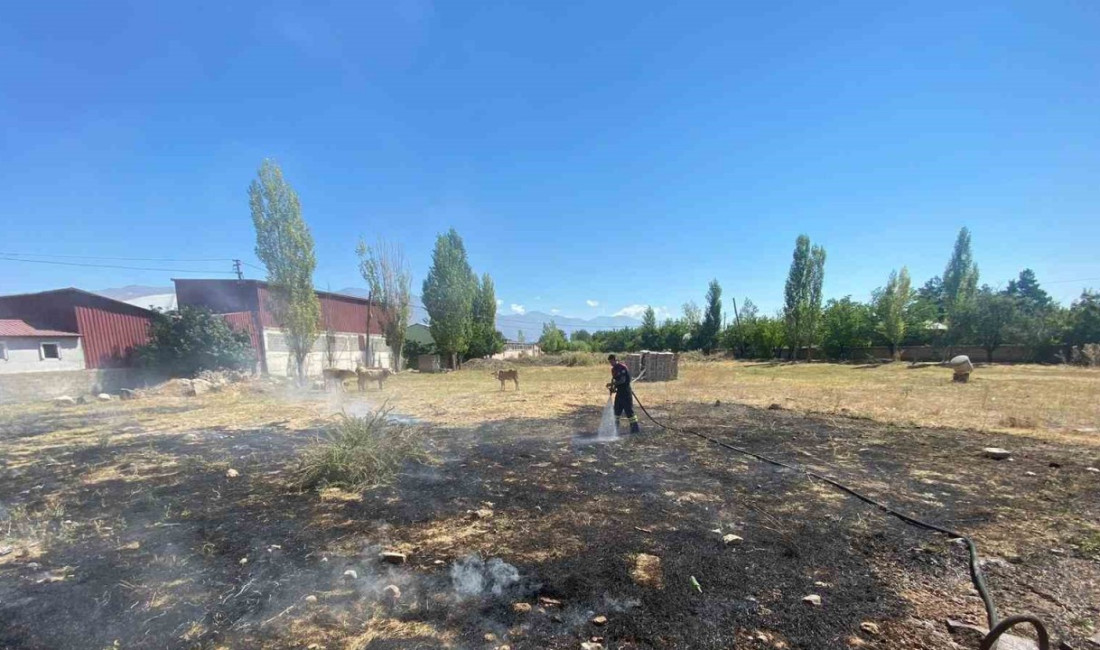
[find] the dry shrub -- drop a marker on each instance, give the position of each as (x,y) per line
(359,452)
(1018,422)
(1087,355)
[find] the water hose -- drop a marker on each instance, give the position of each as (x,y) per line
(997,625)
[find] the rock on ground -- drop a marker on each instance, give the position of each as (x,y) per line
(996,453)
(812,599)
(64,400)
(103,397)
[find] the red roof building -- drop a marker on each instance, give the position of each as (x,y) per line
(109,329)
(246,304)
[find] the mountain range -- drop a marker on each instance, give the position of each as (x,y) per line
(530,323)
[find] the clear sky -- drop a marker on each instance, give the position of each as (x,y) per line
(618,153)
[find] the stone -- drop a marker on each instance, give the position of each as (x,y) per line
(129,393)
(965,632)
(392,593)
(647,571)
(64,400)
(232,473)
(521,608)
(588,645)
(480,513)
(869,628)
(996,453)
(199,387)
(311,599)
(731,539)
(103,397)
(599,620)
(812,599)
(775,407)
(393,557)
(1094,640)
(1093,470)
(351,574)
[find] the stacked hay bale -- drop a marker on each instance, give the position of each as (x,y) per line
(658,366)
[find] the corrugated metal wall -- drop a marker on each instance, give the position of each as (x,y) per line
(337,314)
(110,337)
(242,320)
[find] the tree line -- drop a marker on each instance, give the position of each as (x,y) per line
(949,310)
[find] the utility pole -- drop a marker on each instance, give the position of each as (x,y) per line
(237,268)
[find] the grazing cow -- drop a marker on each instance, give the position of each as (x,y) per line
(507,375)
(337,377)
(372,374)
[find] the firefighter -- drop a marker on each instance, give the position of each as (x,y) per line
(624,396)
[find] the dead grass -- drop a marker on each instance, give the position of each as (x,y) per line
(1057,401)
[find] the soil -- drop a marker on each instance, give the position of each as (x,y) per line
(150,543)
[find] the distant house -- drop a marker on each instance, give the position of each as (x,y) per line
(515,350)
(74,330)
(343,341)
(419,333)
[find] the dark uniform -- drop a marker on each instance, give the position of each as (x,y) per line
(624,396)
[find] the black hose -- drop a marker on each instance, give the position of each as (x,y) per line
(997,627)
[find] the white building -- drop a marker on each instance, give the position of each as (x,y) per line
(24,348)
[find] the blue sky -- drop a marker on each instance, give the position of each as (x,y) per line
(619,153)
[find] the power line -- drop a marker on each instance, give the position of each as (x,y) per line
(120,259)
(112,266)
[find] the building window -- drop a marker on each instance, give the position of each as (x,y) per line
(50,351)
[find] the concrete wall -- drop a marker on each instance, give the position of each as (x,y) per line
(37,386)
(517,351)
(345,351)
(23,355)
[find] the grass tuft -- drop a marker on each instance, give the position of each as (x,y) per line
(359,452)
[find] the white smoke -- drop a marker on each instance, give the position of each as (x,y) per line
(472,577)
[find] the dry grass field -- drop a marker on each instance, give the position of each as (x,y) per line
(178,522)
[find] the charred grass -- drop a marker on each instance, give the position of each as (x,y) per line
(125,526)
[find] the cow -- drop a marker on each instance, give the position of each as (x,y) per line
(506,375)
(337,377)
(372,374)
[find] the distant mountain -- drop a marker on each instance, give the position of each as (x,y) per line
(510,325)
(134,291)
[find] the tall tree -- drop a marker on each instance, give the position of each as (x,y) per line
(993,315)
(650,337)
(712,319)
(1028,294)
(1084,319)
(448,295)
(802,294)
(892,304)
(384,268)
(485,340)
(285,246)
(846,327)
(960,286)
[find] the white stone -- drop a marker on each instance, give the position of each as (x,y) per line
(812,599)
(996,453)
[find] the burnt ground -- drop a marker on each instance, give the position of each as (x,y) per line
(147,543)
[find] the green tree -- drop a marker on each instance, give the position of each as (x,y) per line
(285,246)
(184,342)
(448,295)
(928,302)
(802,294)
(581,336)
(674,334)
(649,336)
(383,267)
(1038,323)
(1030,297)
(960,287)
(1084,319)
(892,310)
(485,340)
(992,316)
(552,340)
(846,327)
(707,334)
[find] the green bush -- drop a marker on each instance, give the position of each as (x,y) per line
(359,452)
(184,342)
(412,350)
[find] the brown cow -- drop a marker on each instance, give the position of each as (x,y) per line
(379,375)
(507,375)
(337,376)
